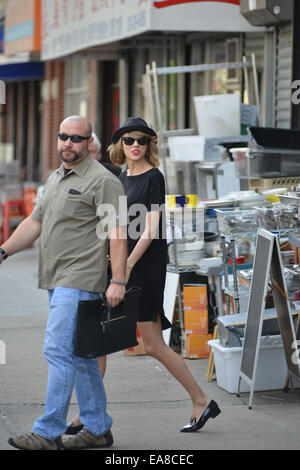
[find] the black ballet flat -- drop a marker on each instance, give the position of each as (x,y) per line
(73,430)
(212,411)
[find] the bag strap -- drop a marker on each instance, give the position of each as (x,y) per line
(132,290)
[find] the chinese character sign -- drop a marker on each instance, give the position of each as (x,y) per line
(71,25)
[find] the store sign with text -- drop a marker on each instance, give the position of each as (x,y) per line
(22,26)
(72,25)
(199,15)
(169,3)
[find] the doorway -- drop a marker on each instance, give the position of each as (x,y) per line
(109,103)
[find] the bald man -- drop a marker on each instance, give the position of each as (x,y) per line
(73,267)
(95,150)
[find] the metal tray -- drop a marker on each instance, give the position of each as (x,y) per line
(289,200)
(239,221)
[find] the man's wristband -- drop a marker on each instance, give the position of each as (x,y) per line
(116,281)
(3,253)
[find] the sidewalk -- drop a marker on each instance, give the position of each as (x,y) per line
(147,405)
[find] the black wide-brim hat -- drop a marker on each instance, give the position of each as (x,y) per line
(132,124)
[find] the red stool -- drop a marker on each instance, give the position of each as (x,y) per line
(10,209)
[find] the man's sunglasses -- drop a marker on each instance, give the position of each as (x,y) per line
(76,139)
(140,141)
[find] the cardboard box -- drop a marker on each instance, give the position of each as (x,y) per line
(194,296)
(196,346)
(136,350)
(196,322)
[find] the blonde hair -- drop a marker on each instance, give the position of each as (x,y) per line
(117,155)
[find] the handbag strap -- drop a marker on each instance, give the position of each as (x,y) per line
(108,311)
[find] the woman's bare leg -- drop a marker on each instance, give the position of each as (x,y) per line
(156,347)
(102,366)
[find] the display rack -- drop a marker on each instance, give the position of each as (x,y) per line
(213,273)
(235,293)
(153,97)
(175,268)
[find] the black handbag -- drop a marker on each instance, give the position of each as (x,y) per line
(102,330)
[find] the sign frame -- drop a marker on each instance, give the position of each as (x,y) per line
(267,261)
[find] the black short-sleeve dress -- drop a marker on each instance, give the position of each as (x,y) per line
(146,192)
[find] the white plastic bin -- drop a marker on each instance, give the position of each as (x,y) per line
(188,148)
(271,369)
(218,115)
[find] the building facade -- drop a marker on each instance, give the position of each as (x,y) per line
(94,55)
(23,73)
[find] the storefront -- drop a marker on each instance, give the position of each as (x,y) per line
(22,71)
(105,47)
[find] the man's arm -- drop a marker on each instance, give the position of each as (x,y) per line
(118,257)
(24,235)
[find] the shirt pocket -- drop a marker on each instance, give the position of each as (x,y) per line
(76,205)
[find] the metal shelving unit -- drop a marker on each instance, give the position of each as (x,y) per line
(289,232)
(175,268)
(153,97)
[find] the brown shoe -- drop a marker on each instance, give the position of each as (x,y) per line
(33,441)
(86,440)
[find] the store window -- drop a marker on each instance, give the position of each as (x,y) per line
(77,87)
(167,83)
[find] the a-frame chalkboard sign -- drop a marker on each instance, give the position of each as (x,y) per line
(267,268)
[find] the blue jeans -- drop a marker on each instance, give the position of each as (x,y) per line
(67,371)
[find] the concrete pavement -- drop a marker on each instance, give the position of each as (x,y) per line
(148,406)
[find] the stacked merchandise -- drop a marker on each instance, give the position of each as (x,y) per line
(195,321)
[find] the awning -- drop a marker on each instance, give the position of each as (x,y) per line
(22,71)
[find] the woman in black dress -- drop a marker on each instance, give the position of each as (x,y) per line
(136,144)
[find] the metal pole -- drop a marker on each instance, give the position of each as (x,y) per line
(181,317)
(246,78)
(223,247)
(156,94)
(159,117)
(200,68)
(255,80)
(150,94)
(218,285)
(234,272)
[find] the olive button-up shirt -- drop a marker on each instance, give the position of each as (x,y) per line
(73,241)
